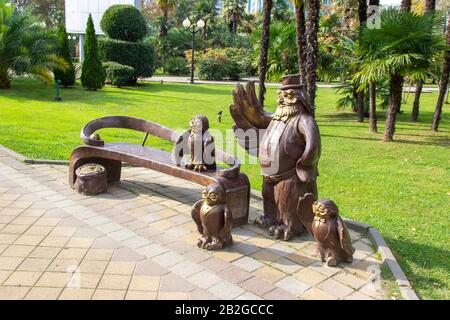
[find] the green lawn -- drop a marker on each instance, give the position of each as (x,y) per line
(402,188)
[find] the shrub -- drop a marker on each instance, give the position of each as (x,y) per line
(67,76)
(118,74)
(138,55)
(176,66)
(219,64)
(124,22)
(92,74)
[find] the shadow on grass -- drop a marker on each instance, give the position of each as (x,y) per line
(425,257)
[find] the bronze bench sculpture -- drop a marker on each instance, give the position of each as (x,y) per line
(112,155)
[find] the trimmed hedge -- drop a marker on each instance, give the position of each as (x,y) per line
(118,74)
(124,22)
(140,56)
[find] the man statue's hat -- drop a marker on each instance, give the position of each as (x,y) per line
(291,81)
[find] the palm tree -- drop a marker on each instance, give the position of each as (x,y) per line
(373,92)
(233,11)
(26,46)
(165,6)
(299,6)
(312,45)
(399,48)
(443,85)
(265,38)
(362,15)
(430,6)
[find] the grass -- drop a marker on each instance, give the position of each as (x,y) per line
(401,188)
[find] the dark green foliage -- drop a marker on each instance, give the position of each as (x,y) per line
(138,55)
(176,66)
(118,74)
(67,76)
(124,22)
(92,74)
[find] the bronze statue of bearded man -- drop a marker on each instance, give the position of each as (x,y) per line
(288,150)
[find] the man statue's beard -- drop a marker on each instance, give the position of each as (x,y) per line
(285,111)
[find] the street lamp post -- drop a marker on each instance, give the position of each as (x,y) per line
(191,27)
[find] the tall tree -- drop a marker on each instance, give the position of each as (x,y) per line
(165,6)
(233,11)
(299,6)
(26,46)
(430,6)
(362,15)
(52,11)
(373,91)
(312,45)
(390,52)
(443,85)
(264,51)
(67,77)
(92,74)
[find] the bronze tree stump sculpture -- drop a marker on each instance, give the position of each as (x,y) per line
(213,218)
(288,145)
(91,179)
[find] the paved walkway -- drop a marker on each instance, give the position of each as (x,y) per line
(186,79)
(138,242)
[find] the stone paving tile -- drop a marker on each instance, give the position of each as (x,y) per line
(120,267)
(309,276)
(257,286)
(292,285)
(335,288)
(76,294)
(269,274)
(248,264)
(186,268)
(38,293)
(317,294)
(357,295)
(173,283)
(101,294)
(52,237)
(144,283)
(235,274)
(226,291)
(141,295)
(13,292)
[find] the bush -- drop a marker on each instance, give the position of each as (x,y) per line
(118,74)
(219,64)
(67,76)
(139,56)
(176,66)
(92,74)
(124,22)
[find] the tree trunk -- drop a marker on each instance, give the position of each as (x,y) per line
(373,107)
(430,5)
(5,81)
(395,98)
(163,31)
(362,14)
(312,47)
(442,86)
(301,42)
(406,5)
(415,110)
(264,51)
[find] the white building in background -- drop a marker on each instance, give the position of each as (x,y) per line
(77,13)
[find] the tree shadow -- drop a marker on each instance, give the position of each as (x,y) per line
(426,256)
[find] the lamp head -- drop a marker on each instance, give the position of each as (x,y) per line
(200,23)
(186,23)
